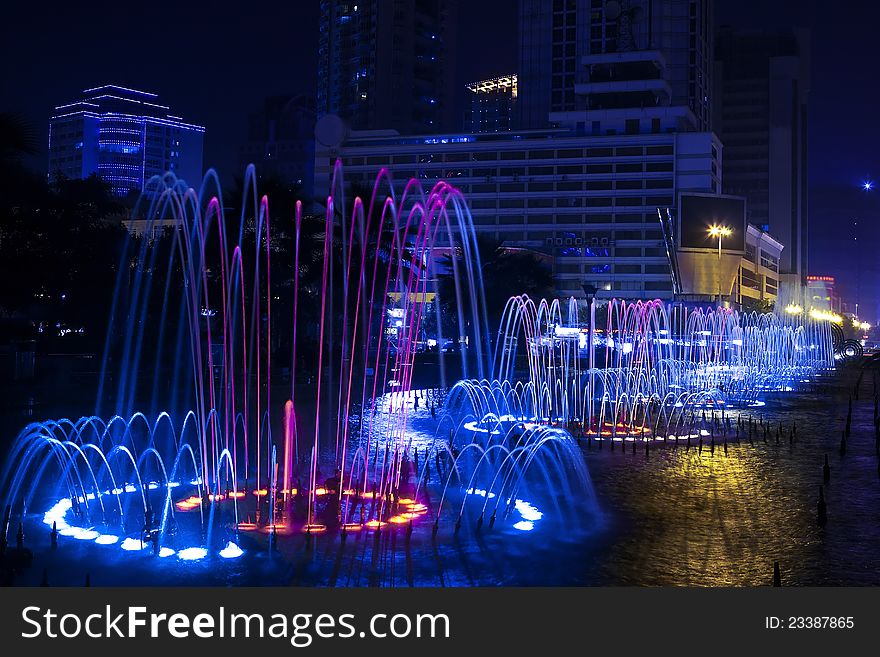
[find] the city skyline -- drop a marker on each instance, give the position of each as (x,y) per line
(835,172)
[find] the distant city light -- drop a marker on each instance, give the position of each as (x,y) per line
(824,315)
(868,185)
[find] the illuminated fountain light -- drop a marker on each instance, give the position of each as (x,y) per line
(481,492)
(87,535)
(529,513)
(166,552)
(133,545)
(107,539)
(56,514)
(190,503)
(192,553)
(73,532)
(231,551)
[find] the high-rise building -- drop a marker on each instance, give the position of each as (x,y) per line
(125,137)
(388,64)
(615,66)
(591,203)
(762,80)
(492,104)
(281,140)
(822,295)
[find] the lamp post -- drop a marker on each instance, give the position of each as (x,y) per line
(719,232)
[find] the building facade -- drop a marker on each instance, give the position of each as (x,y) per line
(589,202)
(578,56)
(280,140)
(388,64)
(821,294)
(125,137)
(492,104)
(762,81)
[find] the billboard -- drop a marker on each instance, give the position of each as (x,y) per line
(698,213)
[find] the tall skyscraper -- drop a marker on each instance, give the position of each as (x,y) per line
(388,64)
(763,82)
(125,137)
(609,61)
(492,104)
(281,140)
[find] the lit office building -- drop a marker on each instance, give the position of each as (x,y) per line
(591,203)
(492,104)
(280,141)
(821,294)
(388,63)
(762,81)
(125,137)
(595,58)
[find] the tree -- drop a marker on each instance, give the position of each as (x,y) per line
(505,272)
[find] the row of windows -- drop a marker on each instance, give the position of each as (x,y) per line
(489,156)
(618,268)
(566,202)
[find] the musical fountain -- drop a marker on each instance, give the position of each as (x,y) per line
(197,453)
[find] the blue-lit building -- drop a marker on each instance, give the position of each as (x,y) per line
(125,137)
(389,64)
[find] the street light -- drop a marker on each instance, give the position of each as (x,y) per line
(719,232)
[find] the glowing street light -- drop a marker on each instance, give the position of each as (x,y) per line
(868,185)
(719,232)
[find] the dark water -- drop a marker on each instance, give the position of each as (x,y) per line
(676,516)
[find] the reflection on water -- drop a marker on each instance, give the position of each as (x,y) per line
(685,518)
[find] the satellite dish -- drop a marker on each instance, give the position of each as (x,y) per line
(331,131)
(612,10)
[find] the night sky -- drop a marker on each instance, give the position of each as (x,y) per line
(213,63)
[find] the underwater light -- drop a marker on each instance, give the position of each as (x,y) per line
(524,526)
(133,545)
(107,539)
(527,511)
(87,535)
(192,553)
(73,532)
(231,551)
(165,552)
